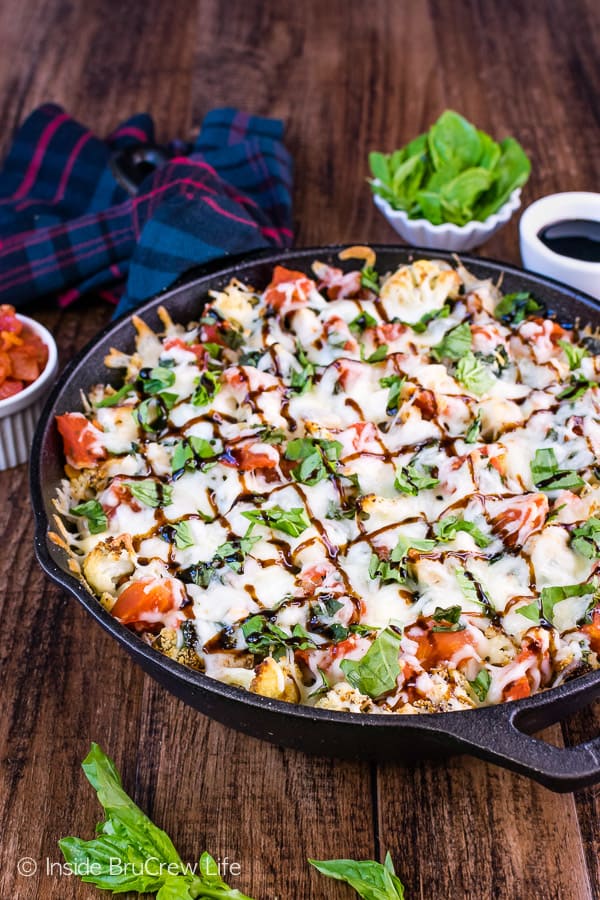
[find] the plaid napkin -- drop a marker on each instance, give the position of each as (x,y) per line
(67,227)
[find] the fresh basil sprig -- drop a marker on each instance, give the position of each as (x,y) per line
(371,880)
(129,852)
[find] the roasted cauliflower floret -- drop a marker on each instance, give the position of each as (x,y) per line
(273,680)
(109,562)
(412,291)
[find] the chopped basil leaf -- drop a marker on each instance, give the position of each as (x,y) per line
(424,321)
(481,684)
(301,380)
(446,530)
(208,386)
(376,673)
(93,512)
(585,539)
(455,343)
(361,322)
(377,355)
(531,611)
(290,521)
(251,358)
(114,399)
(409,480)
(451,614)
(474,429)
(574,353)
(153,381)
(547,475)
(576,389)
(321,689)
(550,596)
(394,569)
(183,535)
(234,551)
(474,374)
(317,458)
(152,413)
(395,383)
(271,435)
(190,452)
(150,492)
(515,308)
(369,279)
(264,638)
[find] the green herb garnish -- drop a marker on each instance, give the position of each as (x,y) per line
(183,535)
(93,512)
(474,429)
(369,279)
(290,521)
(481,685)
(376,673)
(395,384)
(115,399)
(361,322)
(208,386)
(585,539)
(573,353)
(547,475)
(455,343)
(317,458)
(149,492)
(446,530)
(410,480)
(513,309)
(474,374)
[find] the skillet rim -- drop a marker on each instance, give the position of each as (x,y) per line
(581,688)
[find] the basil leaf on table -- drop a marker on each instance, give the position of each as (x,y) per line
(371,880)
(130,853)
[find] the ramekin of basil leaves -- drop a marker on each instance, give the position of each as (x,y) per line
(451,187)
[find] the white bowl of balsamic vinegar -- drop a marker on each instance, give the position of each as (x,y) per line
(560,237)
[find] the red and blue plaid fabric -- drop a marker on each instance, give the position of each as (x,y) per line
(67,228)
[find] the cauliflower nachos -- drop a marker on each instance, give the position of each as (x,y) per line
(362,491)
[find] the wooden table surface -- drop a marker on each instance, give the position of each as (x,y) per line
(347,77)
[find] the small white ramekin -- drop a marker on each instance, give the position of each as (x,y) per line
(19,414)
(579,273)
(458,238)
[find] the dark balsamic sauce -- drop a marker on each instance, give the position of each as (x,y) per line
(576,238)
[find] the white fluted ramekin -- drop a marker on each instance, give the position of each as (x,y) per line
(19,414)
(458,238)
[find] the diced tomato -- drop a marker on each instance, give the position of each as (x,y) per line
(518,689)
(81,440)
(5,365)
(593,631)
(350,371)
(390,331)
(24,366)
(516,518)
(435,647)
(247,459)
(9,388)
(8,319)
(276,296)
(145,604)
(425,402)
(197,349)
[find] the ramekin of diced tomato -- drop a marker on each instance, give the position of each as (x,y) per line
(28,364)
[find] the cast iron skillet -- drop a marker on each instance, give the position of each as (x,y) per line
(500,734)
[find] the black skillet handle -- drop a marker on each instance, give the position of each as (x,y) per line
(501,734)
